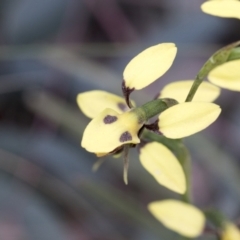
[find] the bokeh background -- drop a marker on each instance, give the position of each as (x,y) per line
(51,50)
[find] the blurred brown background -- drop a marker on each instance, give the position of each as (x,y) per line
(50,50)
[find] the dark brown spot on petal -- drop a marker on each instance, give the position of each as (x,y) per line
(126,136)
(123,106)
(109,119)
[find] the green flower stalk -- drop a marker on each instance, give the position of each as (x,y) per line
(218,58)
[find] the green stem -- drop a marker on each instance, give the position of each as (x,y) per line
(183,156)
(153,108)
(234,55)
(227,53)
(197,82)
(169,143)
(215,217)
(184,159)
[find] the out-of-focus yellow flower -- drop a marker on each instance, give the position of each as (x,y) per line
(222,8)
(149,65)
(180,217)
(93,102)
(230,232)
(179,90)
(161,163)
(187,118)
(110,130)
(226,75)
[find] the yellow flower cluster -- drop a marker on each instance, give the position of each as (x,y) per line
(117,123)
(114,124)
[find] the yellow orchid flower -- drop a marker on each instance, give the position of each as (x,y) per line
(222,8)
(230,232)
(161,163)
(112,132)
(153,63)
(207,92)
(116,123)
(226,75)
(92,103)
(178,216)
(110,129)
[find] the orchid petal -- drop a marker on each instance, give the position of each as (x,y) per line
(149,65)
(222,8)
(226,75)
(230,232)
(187,118)
(180,217)
(93,102)
(206,92)
(161,163)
